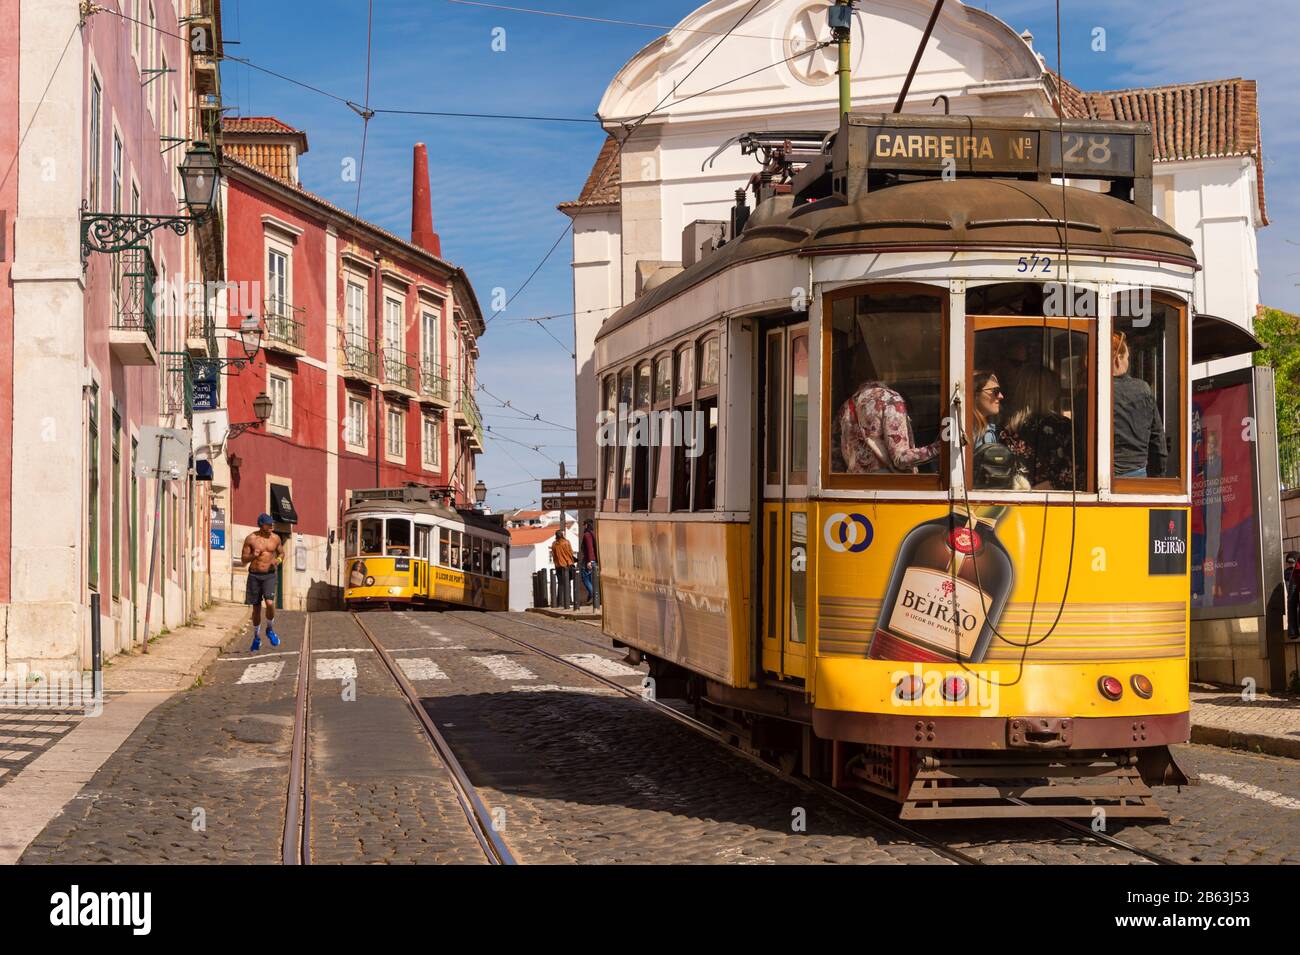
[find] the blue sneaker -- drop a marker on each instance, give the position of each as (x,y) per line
(270,635)
(257,644)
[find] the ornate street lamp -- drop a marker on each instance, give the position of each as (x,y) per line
(480,493)
(262,408)
(113,231)
(250,335)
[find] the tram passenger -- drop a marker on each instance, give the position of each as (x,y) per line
(1139,431)
(875,433)
(988,404)
(1032,426)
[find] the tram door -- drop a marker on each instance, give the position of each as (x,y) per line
(784,478)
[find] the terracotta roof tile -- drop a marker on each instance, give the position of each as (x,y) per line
(526,536)
(1207,120)
(257,124)
(602,187)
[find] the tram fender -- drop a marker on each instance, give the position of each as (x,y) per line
(1158,767)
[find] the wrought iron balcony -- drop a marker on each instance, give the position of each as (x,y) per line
(359,360)
(468,412)
(177,383)
(434,386)
(1288,448)
(399,374)
(133,332)
(283,327)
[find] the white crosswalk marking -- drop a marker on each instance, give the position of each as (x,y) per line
(1254,792)
(600,665)
(262,672)
(503,668)
(341,669)
(556,688)
(421,668)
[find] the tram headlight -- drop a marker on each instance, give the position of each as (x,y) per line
(1110,687)
(1141,686)
(955,689)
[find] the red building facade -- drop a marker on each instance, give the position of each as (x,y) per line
(368,350)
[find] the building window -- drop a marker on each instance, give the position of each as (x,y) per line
(136,29)
(355,309)
(117,173)
(96,134)
(432,443)
(151,41)
(278,388)
(395,434)
(354,434)
(429,341)
(92,490)
(393,324)
(277,282)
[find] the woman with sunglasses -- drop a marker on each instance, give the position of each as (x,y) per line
(987,406)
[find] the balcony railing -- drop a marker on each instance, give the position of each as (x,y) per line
(398,371)
(433,384)
(359,359)
(469,407)
(1288,453)
(283,326)
(135,302)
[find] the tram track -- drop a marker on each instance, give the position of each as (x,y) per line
(296,846)
(838,797)
(834,796)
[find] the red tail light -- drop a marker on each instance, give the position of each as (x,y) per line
(1110,687)
(1141,686)
(955,689)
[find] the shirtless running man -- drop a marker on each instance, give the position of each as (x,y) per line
(261,554)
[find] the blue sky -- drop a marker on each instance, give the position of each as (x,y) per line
(496,183)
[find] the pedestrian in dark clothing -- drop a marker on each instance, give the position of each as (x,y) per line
(562,557)
(1291,577)
(1139,434)
(588,561)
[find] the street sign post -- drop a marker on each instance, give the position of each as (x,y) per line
(578,502)
(568,486)
(173,464)
(562,493)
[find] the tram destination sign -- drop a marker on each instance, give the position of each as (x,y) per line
(575,485)
(1020,147)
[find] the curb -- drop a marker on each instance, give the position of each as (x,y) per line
(211,653)
(594,621)
(1250,742)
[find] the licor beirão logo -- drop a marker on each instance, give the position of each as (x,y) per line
(74,908)
(848,532)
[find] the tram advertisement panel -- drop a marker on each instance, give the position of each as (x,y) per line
(994,584)
(1225,525)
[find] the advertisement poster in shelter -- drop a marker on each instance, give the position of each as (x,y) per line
(1225,528)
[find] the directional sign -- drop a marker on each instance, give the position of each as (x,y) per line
(164,453)
(571,485)
(207,388)
(586,502)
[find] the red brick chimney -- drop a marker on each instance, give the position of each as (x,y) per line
(422,233)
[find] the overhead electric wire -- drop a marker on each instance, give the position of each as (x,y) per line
(365,112)
(39,103)
(505,403)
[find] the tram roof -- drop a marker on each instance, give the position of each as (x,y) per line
(493,523)
(940,215)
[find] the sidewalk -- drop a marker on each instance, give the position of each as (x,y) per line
(1267,724)
(584,614)
(134,684)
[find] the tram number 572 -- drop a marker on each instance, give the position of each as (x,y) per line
(1035,263)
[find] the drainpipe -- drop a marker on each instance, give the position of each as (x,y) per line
(379,361)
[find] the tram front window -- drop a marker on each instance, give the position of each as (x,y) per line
(372,537)
(1147,389)
(350,539)
(399,537)
(887,406)
(1030,404)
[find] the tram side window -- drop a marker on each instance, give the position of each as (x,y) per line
(372,537)
(624,457)
(682,405)
(639,439)
(476,560)
(667,427)
(887,402)
(609,450)
(399,537)
(350,539)
(444,548)
(705,426)
(422,542)
(454,556)
(1146,387)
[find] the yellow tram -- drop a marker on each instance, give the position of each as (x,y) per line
(404,548)
(955,601)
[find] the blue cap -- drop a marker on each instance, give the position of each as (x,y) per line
(264,519)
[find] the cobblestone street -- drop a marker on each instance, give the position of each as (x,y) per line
(571,770)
